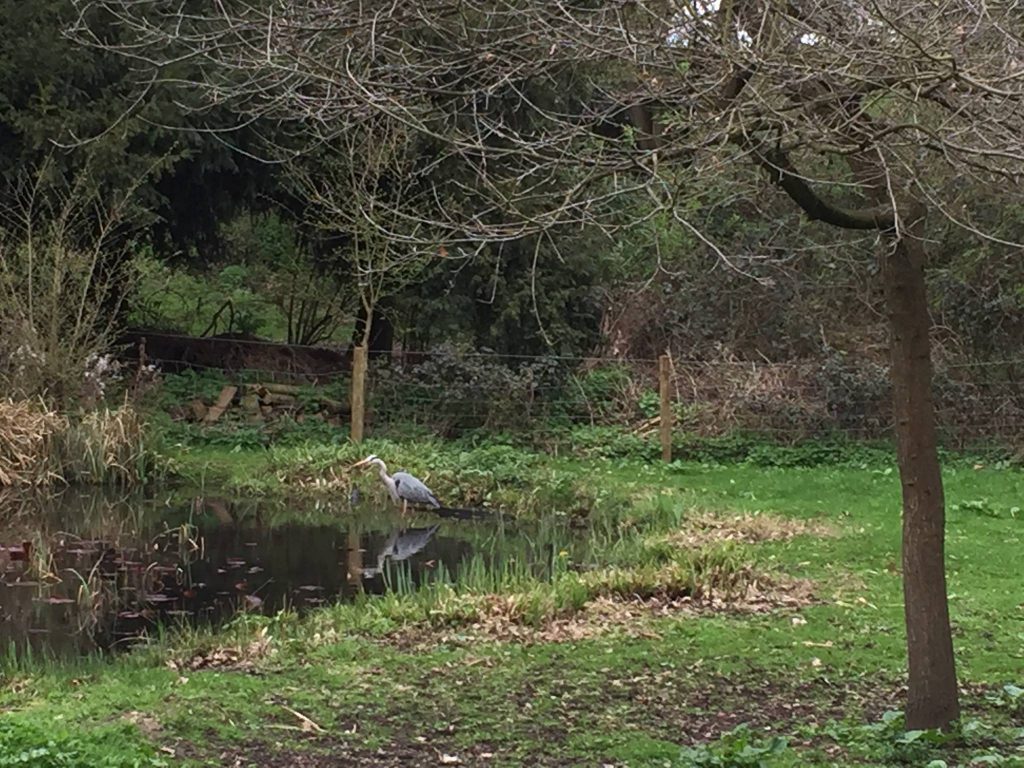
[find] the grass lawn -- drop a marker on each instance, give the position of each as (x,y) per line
(581,671)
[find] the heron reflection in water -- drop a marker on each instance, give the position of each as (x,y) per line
(401,545)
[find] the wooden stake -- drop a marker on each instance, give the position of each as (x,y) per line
(358,393)
(665,390)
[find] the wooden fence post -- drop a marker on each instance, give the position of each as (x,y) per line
(665,390)
(358,398)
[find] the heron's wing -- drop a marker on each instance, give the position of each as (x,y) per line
(413,489)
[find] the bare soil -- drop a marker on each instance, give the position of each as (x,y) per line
(686,709)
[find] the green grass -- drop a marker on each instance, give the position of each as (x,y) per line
(408,678)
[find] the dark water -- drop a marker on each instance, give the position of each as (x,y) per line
(86,573)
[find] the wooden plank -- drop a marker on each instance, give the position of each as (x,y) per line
(198,409)
(226,396)
(273,398)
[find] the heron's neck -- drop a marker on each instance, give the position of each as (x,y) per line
(382,469)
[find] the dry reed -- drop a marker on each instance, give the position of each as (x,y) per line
(40,447)
(29,439)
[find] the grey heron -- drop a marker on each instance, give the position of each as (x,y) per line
(403,487)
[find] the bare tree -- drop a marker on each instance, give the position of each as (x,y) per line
(365,190)
(866,113)
(65,268)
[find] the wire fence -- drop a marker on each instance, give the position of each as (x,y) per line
(454,393)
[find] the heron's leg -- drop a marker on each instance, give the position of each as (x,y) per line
(405,507)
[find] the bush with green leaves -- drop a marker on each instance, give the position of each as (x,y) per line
(455,391)
(1011,698)
(610,392)
(227,299)
(754,449)
(609,442)
(737,749)
(968,743)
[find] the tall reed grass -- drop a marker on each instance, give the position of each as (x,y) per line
(106,446)
(30,440)
(41,447)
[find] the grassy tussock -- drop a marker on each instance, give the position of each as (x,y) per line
(40,447)
(502,605)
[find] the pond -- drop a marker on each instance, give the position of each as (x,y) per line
(86,572)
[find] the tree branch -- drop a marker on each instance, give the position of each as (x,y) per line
(781,172)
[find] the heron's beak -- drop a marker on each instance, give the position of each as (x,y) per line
(359,464)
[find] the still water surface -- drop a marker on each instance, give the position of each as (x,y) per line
(89,572)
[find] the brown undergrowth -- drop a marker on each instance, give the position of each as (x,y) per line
(705,528)
(29,440)
(41,447)
(243,656)
(502,618)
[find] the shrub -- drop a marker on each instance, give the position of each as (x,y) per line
(455,391)
(609,393)
(63,271)
(105,446)
(29,440)
(857,395)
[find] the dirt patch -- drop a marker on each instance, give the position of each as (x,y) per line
(720,704)
(322,753)
(706,528)
(499,617)
(681,706)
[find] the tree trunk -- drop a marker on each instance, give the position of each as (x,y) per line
(932,700)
